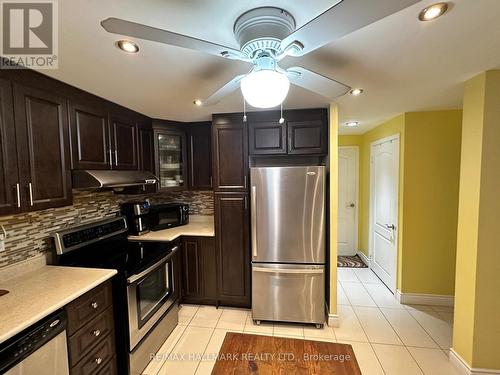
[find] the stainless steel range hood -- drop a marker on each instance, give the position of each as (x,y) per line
(95,179)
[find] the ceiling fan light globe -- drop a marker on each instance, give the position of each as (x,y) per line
(265,88)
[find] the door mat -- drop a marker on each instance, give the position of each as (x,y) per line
(350,261)
(254,354)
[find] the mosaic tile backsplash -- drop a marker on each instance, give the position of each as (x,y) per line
(29,234)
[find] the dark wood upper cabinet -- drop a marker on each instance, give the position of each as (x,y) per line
(233,248)
(146,150)
(307,137)
(43,149)
(267,137)
(230,153)
(199,139)
(124,143)
(90,143)
(9,178)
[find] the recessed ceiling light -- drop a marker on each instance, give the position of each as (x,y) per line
(433,11)
(356,92)
(197,102)
(128,46)
(352,123)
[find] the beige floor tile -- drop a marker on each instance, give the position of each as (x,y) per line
(408,329)
(418,307)
(210,356)
(366,276)
(367,360)
(433,361)
(288,329)
(357,294)
(322,334)
(206,316)
(396,360)
(447,316)
(349,327)
(346,274)
(443,308)
(186,313)
(382,296)
(233,319)
(161,356)
(341,297)
(435,325)
(188,351)
(264,328)
(376,326)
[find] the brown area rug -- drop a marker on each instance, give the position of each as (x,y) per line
(265,355)
(350,261)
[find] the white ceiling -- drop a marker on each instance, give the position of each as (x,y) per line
(403,64)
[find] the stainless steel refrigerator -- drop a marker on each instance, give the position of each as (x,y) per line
(288,244)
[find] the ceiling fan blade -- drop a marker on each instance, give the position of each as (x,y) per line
(137,30)
(316,82)
(341,19)
(227,89)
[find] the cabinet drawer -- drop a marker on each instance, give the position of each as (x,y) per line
(88,306)
(109,368)
(97,359)
(89,335)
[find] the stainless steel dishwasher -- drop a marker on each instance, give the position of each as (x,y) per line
(39,350)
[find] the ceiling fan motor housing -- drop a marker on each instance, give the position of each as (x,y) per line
(263,29)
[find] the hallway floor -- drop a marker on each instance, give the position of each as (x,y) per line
(387,337)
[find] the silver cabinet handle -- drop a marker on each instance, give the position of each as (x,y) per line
(110,158)
(96,332)
(116,157)
(94,305)
(18,194)
(134,278)
(288,270)
(98,360)
(30,187)
(253,202)
(245,180)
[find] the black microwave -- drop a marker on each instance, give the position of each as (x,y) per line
(163,216)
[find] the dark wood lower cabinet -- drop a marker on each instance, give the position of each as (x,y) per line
(91,334)
(233,249)
(199,270)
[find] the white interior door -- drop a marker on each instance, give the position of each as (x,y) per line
(348,200)
(384,209)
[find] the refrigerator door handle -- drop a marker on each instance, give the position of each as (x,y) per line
(288,270)
(254,221)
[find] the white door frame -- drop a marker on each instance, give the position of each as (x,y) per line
(370,224)
(356,194)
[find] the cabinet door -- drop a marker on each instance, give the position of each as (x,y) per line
(42,147)
(90,143)
(230,158)
(124,143)
(307,137)
(200,161)
(171,159)
(192,269)
(9,178)
(233,256)
(146,150)
(267,138)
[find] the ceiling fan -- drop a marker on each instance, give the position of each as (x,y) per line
(266,36)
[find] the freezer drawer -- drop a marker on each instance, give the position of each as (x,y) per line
(288,292)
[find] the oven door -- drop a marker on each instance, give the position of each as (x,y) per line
(150,294)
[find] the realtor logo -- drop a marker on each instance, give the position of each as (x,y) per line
(29,34)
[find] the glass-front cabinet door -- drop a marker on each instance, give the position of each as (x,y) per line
(171,160)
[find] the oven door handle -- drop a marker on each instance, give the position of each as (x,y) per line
(134,278)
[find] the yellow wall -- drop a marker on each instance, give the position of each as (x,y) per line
(431,182)
(429,174)
(477,306)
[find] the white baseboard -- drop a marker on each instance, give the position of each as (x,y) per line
(463,367)
(425,299)
(333,320)
(364,257)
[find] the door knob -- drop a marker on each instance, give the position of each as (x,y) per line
(392,226)
(351,205)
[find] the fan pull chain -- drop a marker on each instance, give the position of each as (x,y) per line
(244,110)
(282,120)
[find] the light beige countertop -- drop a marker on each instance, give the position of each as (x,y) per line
(199,225)
(37,294)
